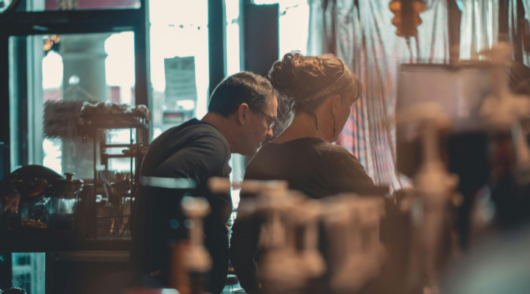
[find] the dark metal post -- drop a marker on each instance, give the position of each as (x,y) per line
(143,89)
(216,36)
(455,16)
(4,94)
(260,36)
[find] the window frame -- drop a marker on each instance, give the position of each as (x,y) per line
(75,22)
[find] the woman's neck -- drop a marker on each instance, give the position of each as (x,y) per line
(302,126)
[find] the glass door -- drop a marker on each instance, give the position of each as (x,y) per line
(51,76)
(54,56)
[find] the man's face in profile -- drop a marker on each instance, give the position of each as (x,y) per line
(261,125)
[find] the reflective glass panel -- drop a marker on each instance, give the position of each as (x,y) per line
(50,78)
(28,272)
(47,5)
(179,61)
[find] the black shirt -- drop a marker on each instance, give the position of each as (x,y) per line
(194,150)
(311,165)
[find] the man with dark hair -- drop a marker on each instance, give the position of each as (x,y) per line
(241,114)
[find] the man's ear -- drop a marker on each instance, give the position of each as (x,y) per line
(242,114)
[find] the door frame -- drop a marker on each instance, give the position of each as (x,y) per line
(75,22)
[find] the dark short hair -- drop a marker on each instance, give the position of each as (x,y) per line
(243,87)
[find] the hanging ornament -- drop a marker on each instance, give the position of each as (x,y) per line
(407,16)
(525,34)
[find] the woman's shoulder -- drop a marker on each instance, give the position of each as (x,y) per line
(339,160)
(344,170)
(333,152)
(276,157)
(302,148)
(306,149)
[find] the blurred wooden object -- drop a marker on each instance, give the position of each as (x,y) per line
(179,278)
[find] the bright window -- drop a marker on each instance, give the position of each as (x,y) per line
(294,24)
(66,68)
(179,61)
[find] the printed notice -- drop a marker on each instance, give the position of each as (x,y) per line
(180,80)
